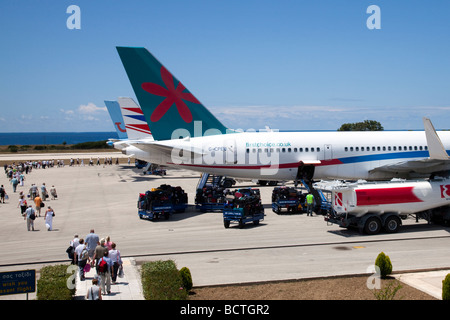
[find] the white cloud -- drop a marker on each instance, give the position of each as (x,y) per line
(90,108)
(66,111)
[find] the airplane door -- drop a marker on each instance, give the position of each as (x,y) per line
(328,152)
(231,152)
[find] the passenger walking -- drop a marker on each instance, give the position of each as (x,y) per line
(100,250)
(94,292)
(81,258)
(49,214)
(108,242)
(37,202)
(30,215)
(104,273)
(53,192)
(33,191)
(309,204)
(22,204)
(44,192)
(92,240)
(116,260)
(14,182)
(2,193)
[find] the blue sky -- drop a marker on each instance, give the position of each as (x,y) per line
(290,65)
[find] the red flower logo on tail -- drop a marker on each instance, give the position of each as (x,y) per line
(172,96)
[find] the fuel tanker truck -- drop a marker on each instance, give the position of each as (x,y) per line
(372,207)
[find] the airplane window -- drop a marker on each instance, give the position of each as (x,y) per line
(346,149)
(306,149)
(278,149)
(351,148)
(384,148)
(373,148)
(394,148)
(378,148)
(318,149)
(420,148)
(312,149)
(410,148)
(356,148)
(254,150)
(271,150)
(426,147)
(248,150)
(362,148)
(289,150)
(295,149)
(300,150)
(389,148)
(415,147)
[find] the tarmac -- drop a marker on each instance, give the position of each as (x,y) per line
(283,247)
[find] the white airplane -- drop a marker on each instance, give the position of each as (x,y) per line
(187,135)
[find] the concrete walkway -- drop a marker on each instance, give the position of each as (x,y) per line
(126,288)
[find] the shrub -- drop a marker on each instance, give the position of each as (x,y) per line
(446,288)
(384,263)
(13,148)
(161,280)
(186,278)
(52,284)
(389,292)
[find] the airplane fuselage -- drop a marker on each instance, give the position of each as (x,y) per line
(289,155)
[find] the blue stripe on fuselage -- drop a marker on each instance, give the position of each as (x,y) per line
(385,156)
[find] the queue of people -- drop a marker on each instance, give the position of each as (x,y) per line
(101,254)
(31,203)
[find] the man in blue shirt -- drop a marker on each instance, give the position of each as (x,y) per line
(91,241)
(105,274)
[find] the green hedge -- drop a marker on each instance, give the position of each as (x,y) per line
(161,280)
(52,284)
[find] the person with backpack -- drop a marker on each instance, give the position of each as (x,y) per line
(2,194)
(81,257)
(30,215)
(104,267)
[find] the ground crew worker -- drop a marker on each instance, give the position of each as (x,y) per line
(309,204)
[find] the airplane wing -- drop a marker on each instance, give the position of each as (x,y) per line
(438,160)
(168,150)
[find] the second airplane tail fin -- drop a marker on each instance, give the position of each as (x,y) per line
(170,110)
(137,127)
(116,117)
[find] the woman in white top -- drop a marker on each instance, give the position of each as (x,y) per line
(49,214)
(94,292)
(22,204)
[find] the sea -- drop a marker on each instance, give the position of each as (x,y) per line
(44,138)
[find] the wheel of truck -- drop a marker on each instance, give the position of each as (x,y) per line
(256,222)
(166,215)
(392,224)
(226,223)
(372,226)
(241,223)
(227,183)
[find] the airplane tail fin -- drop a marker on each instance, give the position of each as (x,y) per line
(170,110)
(435,146)
(116,117)
(135,124)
